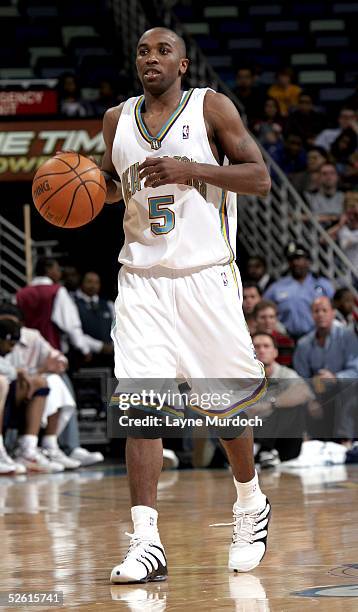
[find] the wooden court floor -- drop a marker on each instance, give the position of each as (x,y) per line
(65,532)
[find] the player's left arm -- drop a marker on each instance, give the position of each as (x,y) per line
(247,172)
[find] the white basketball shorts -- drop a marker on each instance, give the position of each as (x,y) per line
(186,325)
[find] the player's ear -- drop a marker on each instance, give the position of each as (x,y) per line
(183,66)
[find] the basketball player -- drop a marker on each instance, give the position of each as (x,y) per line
(178,311)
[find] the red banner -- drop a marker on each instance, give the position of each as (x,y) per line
(28,102)
(25,146)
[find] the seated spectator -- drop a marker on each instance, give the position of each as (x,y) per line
(346,231)
(33,355)
(69,97)
(248,94)
(24,407)
(71,278)
(48,307)
(329,353)
(290,155)
(343,302)
(284,91)
(265,313)
(327,204)
(347,119)
(96,314)
(107,97)
(6,463)
(308,180)
(343,148)
(251,295)
(268,130)
(281,435)
(305,121)
(256,271)
(295,292)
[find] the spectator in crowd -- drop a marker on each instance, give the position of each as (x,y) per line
(251,296)
(308,180)
(295,292)
(256,271)
(327,203)
(265,313)
(342,150)
(343,302)
(284,91)
(6,463)
(346,231)
(48,307)
(347,119)
(33,355)
(290,155)
(107,97)
(268,129)
(305,121)
(329,353)
(96,314)
(25,407)
(69,97)
(71,278)
(249,95)
(281,435)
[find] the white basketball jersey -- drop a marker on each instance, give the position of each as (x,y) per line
(176,226)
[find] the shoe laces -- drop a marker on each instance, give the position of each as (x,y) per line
(135,542)
(244,526)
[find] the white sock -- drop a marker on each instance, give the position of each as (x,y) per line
(28,443)
(49,442)
(145,521)
(1,442)
(249,494)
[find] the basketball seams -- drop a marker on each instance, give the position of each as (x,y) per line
(60,173)
(78,176)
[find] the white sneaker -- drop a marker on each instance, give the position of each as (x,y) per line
(36,461)
(57,455)
(170,460)
(8,465)
(85,457)
(145,561)
(268,459)
(249,538)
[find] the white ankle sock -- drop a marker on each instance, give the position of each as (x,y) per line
(249,494)
(49,442)
(28,443)
(145,521)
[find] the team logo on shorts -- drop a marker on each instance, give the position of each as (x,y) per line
(225,280)
(185,131)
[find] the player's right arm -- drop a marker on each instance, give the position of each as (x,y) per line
(110,121)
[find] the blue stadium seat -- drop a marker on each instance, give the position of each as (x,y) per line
(265,10)
(282,26)
(345,8)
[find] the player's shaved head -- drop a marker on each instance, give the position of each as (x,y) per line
(170,36)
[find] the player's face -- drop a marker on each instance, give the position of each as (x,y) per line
(159,62)
(266,320)
(265,349)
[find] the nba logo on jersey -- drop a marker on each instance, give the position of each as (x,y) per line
(225,280)
(185,131)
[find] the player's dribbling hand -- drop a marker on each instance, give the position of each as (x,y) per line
(157,171)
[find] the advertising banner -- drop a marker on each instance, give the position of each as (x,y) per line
(28,102)
(24,146)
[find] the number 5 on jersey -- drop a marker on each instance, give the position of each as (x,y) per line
(158,209)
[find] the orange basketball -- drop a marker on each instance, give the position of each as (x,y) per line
(69,190)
